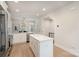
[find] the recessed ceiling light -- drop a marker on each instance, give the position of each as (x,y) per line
(44,9)
(16,1)
(17,10)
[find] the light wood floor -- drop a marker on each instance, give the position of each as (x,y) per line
(58,52)
(23,50)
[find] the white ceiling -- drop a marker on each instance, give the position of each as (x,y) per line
(32,8)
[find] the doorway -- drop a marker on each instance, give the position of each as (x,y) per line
(2,34)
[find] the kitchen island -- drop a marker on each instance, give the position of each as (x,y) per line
(42,46)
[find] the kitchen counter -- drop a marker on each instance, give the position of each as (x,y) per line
(19,37)
(40,37)
(42,46)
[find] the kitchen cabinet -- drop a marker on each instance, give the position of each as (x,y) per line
(42,46)
(19,38)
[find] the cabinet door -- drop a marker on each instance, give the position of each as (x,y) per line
(46,48)
(34,44)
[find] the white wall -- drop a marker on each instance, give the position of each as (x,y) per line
(67,34)
(46,26)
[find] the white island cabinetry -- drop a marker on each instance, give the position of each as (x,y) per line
(42,46)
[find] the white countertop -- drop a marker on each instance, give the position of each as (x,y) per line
(20,33)
(41,37)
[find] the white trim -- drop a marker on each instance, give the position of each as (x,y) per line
(72,51)
(4,5)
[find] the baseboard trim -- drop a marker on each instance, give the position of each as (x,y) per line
(68,50)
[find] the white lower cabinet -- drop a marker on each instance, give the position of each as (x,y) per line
(41,48)
(19,38)
(34,44)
